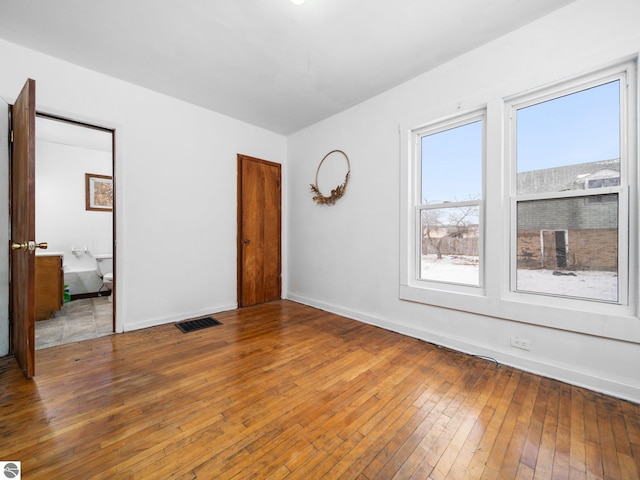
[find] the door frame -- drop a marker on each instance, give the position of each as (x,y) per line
(112,131)
(551,251)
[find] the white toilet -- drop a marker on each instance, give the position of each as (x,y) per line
(107,279)
(104,267)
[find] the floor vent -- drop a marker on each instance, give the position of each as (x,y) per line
(198,324)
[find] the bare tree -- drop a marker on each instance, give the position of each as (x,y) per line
(456,224)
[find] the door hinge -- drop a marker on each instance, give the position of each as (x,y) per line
(11,137)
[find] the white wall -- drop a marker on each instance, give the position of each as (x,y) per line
(175,186)
(345,258)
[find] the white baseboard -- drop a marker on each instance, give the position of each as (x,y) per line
(616,388)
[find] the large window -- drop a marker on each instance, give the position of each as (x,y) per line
(449,227)
(570,199)
(528,209)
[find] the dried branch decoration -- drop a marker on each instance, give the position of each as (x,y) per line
(337,192)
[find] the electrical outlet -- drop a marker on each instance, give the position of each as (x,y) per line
(521,343)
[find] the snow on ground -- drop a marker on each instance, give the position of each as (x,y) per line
(451,268)
(585,284)
(581,284)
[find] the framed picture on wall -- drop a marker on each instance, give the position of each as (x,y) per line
(98,192)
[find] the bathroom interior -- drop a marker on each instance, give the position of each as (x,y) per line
(74,196)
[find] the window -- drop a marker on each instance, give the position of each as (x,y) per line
(528,210)
(569,233)
(448,220)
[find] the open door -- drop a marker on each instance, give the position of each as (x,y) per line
(554,249)
(22,209)
(259,231)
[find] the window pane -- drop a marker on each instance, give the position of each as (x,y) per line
(449,250)
(569,247)
(452,164)
(563,143)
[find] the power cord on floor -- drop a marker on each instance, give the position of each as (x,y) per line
(481,357)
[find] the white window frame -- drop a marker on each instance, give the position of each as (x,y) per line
(418,134)
(413,254)
(628,182)
(495,298)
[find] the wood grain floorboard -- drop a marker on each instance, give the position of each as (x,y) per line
(286,391)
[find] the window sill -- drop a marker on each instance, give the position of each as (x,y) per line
(607,321)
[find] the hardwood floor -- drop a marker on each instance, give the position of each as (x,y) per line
(286,391)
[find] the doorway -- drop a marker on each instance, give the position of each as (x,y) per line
(555,248)
(259,231)
(74,213)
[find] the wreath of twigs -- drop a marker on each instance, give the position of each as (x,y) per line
(337,192)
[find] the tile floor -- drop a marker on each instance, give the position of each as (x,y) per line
(76,321)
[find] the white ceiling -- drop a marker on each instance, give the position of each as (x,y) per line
(270,63)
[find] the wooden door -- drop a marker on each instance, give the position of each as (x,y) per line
(259,231)
(22,284)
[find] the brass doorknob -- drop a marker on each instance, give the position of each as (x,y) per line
(16,246)
(31,245)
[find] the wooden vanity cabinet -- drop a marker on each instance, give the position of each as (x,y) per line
(49,280)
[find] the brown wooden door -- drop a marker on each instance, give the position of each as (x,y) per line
(22,284)
(259,227)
